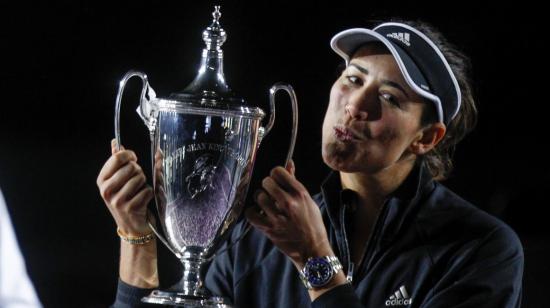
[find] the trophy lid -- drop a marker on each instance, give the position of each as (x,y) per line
(209,88)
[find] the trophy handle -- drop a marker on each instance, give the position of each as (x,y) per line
(147,109)
(294,103)
(148,112)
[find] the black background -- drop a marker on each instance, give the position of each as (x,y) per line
(61,63)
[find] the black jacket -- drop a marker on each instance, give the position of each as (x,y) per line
(428,248)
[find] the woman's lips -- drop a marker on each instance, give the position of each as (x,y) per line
(344,133)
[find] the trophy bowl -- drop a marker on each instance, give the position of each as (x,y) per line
(204,142)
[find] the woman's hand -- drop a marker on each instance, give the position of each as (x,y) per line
(289,217)
(123,187)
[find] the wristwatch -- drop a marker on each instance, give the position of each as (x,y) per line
(319,271)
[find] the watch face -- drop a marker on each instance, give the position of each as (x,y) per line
(318,272)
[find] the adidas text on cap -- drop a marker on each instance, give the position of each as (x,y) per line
(422,64)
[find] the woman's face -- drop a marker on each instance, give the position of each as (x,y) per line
(373,116)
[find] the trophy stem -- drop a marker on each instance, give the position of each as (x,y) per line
(193,261)
(191,293)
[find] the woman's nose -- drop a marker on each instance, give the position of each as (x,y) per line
(354,112)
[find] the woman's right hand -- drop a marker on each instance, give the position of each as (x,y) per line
(122,185)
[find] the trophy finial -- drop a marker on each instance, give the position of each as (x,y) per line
(209,86)
(214,36)
(216,14)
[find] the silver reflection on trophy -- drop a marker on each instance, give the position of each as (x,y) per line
(204,141)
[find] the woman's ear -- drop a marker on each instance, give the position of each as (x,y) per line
(428,138)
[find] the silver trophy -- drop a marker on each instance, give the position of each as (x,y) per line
(204,141)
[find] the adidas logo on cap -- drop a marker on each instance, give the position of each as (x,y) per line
(405,38)
(399,298)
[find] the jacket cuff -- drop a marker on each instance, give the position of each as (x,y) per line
(128,296)
(340,296)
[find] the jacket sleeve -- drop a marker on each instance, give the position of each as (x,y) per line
(128,296)
(490,277)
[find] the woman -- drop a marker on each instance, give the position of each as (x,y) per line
(383,231)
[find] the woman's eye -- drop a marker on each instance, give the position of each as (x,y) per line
(390,99)
(353,79)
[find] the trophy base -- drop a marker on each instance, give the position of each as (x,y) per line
(181,300)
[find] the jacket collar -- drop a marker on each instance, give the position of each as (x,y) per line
(401,206)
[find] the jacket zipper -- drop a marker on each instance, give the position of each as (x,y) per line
(367,253)
(349,264)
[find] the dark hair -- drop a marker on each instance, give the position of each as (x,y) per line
(439,159)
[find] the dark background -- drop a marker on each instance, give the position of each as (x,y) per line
(61,63)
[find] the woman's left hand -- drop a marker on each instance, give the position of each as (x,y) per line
(289,217)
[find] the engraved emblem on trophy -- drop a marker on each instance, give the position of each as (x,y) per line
(204,141)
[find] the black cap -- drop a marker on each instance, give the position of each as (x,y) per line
(422,64)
